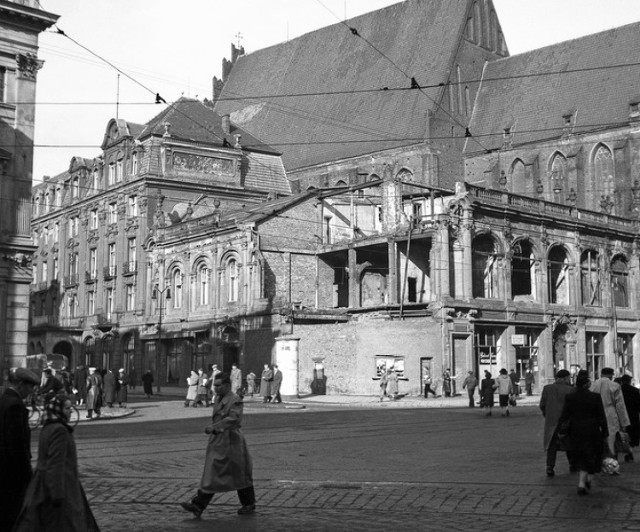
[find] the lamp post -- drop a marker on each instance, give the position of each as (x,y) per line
(158,294)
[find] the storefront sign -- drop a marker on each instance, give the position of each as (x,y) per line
(518,339)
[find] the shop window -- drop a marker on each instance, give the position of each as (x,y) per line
(525,343)
(590,278)
(487,347)
(386,362)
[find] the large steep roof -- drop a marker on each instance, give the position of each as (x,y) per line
(533,107)
(193,121)
(417,38)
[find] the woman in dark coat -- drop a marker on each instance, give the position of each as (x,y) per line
(55,500)
(122,388)
(631,396)
(147,383)
(487,389)
(109,388)
(587,430)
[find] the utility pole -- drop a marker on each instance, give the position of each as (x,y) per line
(159,295)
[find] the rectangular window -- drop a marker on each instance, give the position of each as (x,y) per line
(204,286)
(93,263)
(56,268)
(73,226)
(134,164)
(73,306)
(624,352)
(3,85)
(112,255)
(75,188)
(112,173)
(56,232)
(132,250)
(109,303)
(132,207)
(45,272)
(119,170)
(131,297)
(73,264)
(113,213)
(91,303)
(95,182)
(487,347)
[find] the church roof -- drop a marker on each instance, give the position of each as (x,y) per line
(416,38)
(534,106)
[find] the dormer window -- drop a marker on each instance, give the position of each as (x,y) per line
(75,188)
(134,164)
(112,173)
(119,172)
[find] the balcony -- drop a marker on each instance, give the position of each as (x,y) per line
(71,280)
(90,277)
(44,321)
(110,272)
(129,268)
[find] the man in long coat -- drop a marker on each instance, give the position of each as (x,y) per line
(94,393)
(236,379)
(15,444)
(613,401)
(265,383)
(551,404)
(227,463)
(80,383)
(276,384)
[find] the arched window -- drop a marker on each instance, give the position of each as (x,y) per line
(604,173)
(233,280)
(557,177)
(518,180)
(558,276)
(620,281)
(523,275)
(485,267)
(90,351)
(176,283)
(203,277)
(590,278)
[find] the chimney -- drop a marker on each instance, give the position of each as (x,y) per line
(226,124)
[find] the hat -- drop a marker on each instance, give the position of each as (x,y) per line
(121,370)
(503,371)
(92,369)
(607,371)
(561,374)
(24,375)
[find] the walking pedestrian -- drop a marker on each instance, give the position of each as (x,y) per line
(470,384)
(392,383)
(487,389)
(192,390)
(276,384)
(55,499)
(552,404)
(122,388)
(51,386)
(147,383)
(202,392)
(584,421)
(236,379)
(515,381)
(614,409)
(631,396)
(109,388)
(133,377)
(529,381)
(446,383)
(227,465)
(15,444)
(251,383)
(504,387)
(427,386)
(94,393)
(80,383)
(265,384)
(384,381)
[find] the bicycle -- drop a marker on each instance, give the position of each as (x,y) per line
(35,403)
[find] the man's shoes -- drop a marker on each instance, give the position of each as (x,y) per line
(628,457)
(582,491)
(246,510)
(587,484)
(508,413)
(192,507)
(550,472)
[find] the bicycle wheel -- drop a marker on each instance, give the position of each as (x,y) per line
(74,416)
(35,416)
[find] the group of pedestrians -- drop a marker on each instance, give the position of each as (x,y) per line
(270,384)
(591,422)
(51,498)
(100,388)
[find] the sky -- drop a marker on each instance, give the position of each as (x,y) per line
(175,48)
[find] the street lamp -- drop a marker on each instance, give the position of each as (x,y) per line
(159,295)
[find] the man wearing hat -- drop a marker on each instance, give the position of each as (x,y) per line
(614,409)
(15,444)
(551,403)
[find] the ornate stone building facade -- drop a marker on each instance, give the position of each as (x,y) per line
(20,25)
(96,224)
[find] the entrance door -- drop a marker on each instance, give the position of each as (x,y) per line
(425,367)
(230,356)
